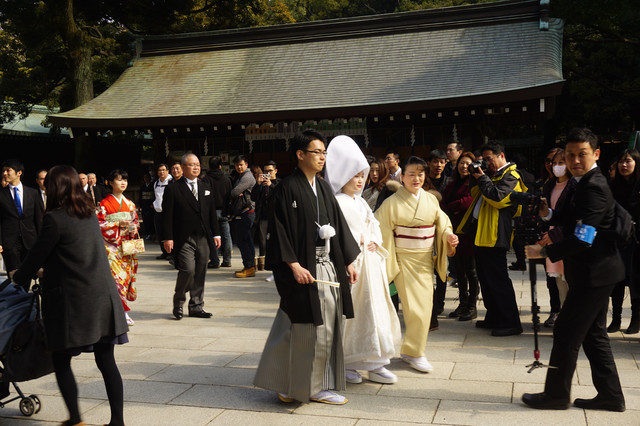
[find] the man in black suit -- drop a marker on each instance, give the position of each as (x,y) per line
(96,191)
(21,211)
(40,177)
(189,218)
(592,266)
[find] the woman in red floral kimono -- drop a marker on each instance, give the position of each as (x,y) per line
(118,222)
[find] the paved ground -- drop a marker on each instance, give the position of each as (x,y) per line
(200,372)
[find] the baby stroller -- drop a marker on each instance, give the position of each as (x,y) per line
(21,342)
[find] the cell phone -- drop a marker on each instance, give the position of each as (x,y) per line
(266,176)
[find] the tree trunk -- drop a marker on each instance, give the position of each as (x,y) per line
(79,52)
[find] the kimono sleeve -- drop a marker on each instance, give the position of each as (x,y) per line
(385,215)
(443,230)
(110,230)
(281,230)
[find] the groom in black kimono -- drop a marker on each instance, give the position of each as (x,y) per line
(303,358)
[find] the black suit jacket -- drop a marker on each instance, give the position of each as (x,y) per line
(99,192)
(585,265)
(28,225)
(184,216)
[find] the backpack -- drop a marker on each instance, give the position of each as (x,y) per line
(623,226)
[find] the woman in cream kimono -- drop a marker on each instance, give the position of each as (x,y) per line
(418,236)
(373,336)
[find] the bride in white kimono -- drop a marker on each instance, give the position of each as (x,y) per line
(373,336)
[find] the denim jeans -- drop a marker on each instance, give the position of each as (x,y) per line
(225,248)
(245,240)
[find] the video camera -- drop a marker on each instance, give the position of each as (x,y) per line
(478,165)
(527,226)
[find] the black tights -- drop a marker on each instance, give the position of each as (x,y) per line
(106,363)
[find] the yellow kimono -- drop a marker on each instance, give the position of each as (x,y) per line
(404,222)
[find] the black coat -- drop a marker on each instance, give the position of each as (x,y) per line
(99,192)
(80,302)
(184,216)
(221,185)
(28,225)
(291,237)
(585,265)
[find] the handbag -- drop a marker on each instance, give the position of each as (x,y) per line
(26,356)
(133,246)
(240,203)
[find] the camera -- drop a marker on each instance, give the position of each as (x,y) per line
(477,165)
(527,226)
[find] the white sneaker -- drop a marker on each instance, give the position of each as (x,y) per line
(418,363)
(382,375)
(353,376)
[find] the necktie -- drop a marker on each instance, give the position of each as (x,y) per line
(16,199)
(93,195)
(193,189)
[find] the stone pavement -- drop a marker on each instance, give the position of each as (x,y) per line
(200,371)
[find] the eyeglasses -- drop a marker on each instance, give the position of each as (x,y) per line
(316,152)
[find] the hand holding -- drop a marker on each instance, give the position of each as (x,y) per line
(353,274)
(372,246)
(168,245)
(300,274)
(533,251)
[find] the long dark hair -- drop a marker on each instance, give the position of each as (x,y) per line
(383,174)
(456,173)
(64,191)
(635,155)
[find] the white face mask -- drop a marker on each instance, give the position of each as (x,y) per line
(559,170)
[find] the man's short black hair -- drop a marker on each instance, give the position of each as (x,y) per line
(437,154)
(162,165)
(458,145)
(270,163)
(239,158)
(14,164)
(582,134)
(301,140)
(494,146)
(215,162)
(394,153)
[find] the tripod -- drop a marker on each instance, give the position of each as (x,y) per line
(535,310)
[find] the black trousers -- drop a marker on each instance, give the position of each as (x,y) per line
(468,289)
(497,289)
(157,221)
(582,321)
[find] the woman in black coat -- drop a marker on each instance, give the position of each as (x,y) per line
(81,308)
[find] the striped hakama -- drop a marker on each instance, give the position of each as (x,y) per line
(301,359)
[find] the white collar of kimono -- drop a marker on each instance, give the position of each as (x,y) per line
(344,161)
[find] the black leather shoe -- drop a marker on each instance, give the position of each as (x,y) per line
(598,403)
(484,324)
(501,332)
(225,265)
(200,314)
(518,267)
(212,265)
(162,256)
(177,312)
(542,401)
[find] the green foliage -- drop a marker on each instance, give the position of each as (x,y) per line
(601,61)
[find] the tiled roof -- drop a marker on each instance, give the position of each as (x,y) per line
(403,68)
